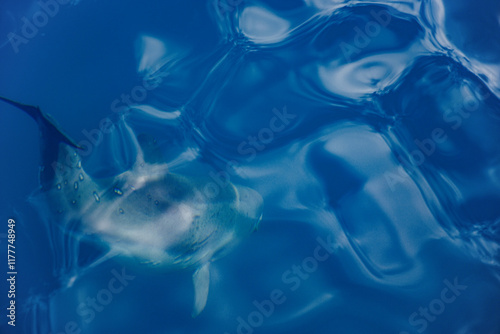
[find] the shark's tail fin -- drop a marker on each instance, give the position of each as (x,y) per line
(44,121)
(51,138)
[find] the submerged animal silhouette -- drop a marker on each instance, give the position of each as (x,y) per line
(145,212)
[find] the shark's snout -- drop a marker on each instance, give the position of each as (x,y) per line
(250,204)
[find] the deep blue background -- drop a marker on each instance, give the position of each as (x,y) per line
(341,168)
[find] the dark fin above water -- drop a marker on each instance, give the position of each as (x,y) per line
(51,138)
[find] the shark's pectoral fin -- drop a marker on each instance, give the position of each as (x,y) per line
(201,281)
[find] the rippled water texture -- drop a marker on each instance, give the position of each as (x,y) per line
(370,128)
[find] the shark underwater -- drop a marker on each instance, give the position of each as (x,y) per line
(145,213)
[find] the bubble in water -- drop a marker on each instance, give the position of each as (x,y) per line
(59,186)
(121,211)
(96,197)
(80,177)
(76,185)
(73,202)
(118,191)
(79,164)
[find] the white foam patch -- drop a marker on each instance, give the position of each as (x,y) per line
(150,51)
(326,4)
(364,77)
(150,110)
(263,26)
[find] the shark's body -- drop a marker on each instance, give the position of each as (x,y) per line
(146,212)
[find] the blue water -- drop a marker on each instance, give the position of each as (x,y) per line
(370,128)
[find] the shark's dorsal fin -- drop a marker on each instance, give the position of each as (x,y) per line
(51,137)
(44,121)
